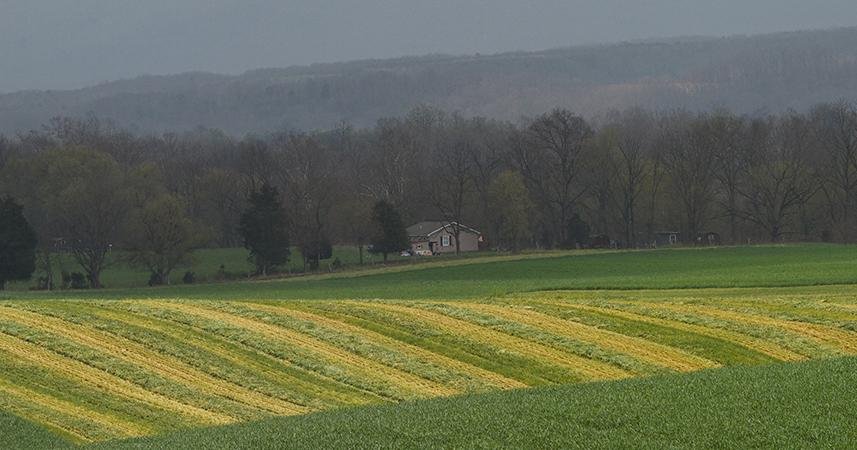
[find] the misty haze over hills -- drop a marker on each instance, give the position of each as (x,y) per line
(752,75)
(70,44)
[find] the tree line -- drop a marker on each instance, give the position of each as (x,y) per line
(552,181)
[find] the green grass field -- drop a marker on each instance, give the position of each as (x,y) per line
(205,266)
(482,276)
(806,405)
(16,432)
(310,360)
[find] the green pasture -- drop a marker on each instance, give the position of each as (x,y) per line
(483,276)
(805,405)
(205,264)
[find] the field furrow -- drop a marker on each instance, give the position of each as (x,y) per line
(107,382)
(794,342)
(651,352)
(389,355)
(237,365)
(408,385)
(309,363)
(762,346)
(843,340)
(56,412)
(469,370)
(560,342)
(312,388)
(587,368)
(805,308)
(486,355)
(171,368)
(86,396)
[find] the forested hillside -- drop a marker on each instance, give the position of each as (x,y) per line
(638,179)
(760,74)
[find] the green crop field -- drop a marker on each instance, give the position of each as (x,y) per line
(99,367)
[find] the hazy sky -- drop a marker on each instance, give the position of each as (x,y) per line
(52,44)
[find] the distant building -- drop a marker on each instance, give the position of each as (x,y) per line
(434,237)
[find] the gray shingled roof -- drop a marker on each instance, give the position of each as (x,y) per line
(429,227)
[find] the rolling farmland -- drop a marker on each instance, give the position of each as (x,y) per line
(99,370)
(796,405)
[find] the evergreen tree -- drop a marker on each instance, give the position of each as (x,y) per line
(390,235)
(17,243)
(263,226)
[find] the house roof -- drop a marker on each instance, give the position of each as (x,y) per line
(429,228)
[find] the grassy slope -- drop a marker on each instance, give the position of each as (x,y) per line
(761,266)
(802,265)
(246,361)
(798,405)
(18,433)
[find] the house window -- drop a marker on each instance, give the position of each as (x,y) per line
(444,241)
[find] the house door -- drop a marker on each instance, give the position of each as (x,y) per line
(432,245)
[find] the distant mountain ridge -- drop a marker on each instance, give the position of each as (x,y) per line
(747,74)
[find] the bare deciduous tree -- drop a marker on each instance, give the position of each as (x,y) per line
(726,137)
(691,170)
(629,139)
(778,178)
(836,133)
(551,159)
(450,177)
(307,171)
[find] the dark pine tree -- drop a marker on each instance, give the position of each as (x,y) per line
(390,234)
(263,226)
(17,243)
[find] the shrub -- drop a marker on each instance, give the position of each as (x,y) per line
(43,284)
(76,280)
(189,277)
(155,280)
(578,233)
